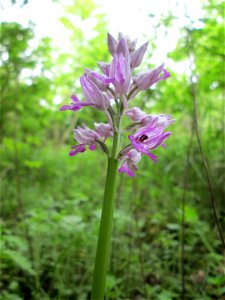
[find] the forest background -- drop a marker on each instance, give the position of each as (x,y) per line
(166,244)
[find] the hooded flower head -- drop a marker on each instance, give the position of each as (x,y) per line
(120,69)
(141,118)
(92,93)
(146,79)
(89,137)
(112,44)
(104,130)
(85,137)
(105,67)
(136,114)
(136,57)
(101,81)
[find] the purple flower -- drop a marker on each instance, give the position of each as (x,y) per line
(140,117)
(120,71)
(110,92)
(105,67)
(131,44)
(130,158)
(93,94)
(136,57)
(94,85)
(160,120)
(77,149)
(122,47)
(101,81)
(127,46)
(120,68)
(88,137)
(136,114)
(148,138)
(76,104)
(104,130)
(146,79)
(112,44)
(85,137)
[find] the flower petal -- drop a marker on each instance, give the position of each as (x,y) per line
(112,44)
(77,149)
(136,57)
(92,147)
(125,169)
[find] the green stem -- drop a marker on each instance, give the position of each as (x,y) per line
(117,135)
(105,232)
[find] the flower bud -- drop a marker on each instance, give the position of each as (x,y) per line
(136,114)
(92,93)
(85,135)
(136,57)
(104,130)
(146,79)
(112,44)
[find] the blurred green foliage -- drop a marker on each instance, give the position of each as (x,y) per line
(51,203)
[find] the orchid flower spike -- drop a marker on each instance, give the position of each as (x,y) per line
(110,91)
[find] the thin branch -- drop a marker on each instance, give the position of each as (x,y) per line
(197,131)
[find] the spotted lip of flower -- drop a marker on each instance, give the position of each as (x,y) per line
(76,104)
(148,138)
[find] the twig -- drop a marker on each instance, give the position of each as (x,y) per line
(203,157)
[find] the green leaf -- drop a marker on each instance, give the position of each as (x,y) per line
(20,261)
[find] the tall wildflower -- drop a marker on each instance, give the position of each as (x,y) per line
(111,92)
